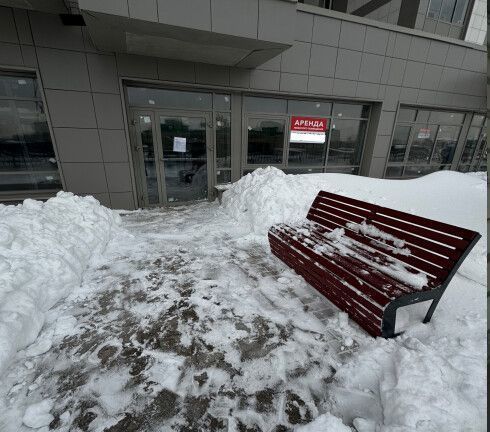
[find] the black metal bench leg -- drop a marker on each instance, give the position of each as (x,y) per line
(389,320)
(432,308)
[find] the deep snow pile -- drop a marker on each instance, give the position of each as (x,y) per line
(433,377)
(268,196)
(44,249)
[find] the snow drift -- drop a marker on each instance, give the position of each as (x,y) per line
(268,196)
(44,249)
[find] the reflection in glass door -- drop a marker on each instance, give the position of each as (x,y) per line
(146,157)
(184,153)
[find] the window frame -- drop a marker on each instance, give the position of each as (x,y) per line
(15,195)
(475,162)
(406,163)
(324,167)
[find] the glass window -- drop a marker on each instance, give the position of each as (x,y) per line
(407,115)
(298,107)
(265,105)
(27,158)
(444,117)
(146,136)
(418,171)
(423,116)
(303,170)
(343,170)
(430,140)
(470,145)
(350,110)
(447,10)
(223,140)
(29,181)
(434,9)
(394,171)
(422,143)
(477,120)
(446,141)
(400,143)
(460,11)
(346,142)
(301,154)
(19,87)
(154,97)
(265,141)
(223,176)
(222,102)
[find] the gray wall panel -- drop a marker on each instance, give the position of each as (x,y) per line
(108,111)
(103,73)
(304,27)
(85,178)
(71,109)
(78,145)
(11,54)
(48,31)
(296,58)
(326,30)
(118,177)
(294,83)
(62,69)
(122,200)
(323,60)
(348,64)
(143,9)
(352,36)
(8,31)
(235,17)
(114,145)
(23,26)
(174,70)
(185,13)
(376,41)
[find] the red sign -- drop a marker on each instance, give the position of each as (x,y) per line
(309,124)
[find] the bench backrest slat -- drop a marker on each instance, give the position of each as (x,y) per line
(434,246)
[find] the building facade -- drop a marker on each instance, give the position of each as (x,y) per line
(156,102)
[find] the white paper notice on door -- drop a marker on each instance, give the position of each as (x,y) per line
(180,144)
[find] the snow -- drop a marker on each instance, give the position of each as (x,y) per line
(37,415)
(186,321)
(325,422)
(44,249)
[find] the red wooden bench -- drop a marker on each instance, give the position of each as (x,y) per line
(370,260)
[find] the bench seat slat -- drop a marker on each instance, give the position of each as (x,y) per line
(352,271)
(411,260)
(372,326)
(322,275)
(378,258)
(374,277)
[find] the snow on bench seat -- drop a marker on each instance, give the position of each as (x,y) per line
(370,260)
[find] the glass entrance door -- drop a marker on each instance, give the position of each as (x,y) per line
(173,156)
(185,149)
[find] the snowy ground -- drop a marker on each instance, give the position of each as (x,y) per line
(187,323)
